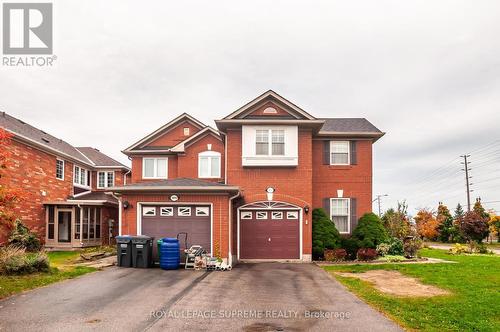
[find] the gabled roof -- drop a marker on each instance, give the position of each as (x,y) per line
(164,128)
(36,137)
(177,185)
(297,112)
(100,159)
(182,145)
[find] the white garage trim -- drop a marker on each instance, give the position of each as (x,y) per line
(290,207)
(139,216)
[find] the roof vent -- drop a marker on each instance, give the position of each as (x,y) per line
(21,121)
(45,140)
(270,110)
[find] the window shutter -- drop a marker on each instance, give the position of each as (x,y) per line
(354,215)
(326,206)
(353,152)
(326,152)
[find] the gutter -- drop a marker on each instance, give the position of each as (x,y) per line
(176,188)
(120,207)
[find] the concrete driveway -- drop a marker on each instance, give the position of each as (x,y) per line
(252,297)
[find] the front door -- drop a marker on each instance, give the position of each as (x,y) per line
(64,226)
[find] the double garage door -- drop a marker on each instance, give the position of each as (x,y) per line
(269,234)
(169,220)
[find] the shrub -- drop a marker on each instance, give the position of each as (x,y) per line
(339,254)
(21,236)
(15,260)
(459,249)
(411,247)
(396,222)
(324,233)
(351,247)
(396,247)
(366,254)
(383,249)
(370,232)
(328,255)
(479,248)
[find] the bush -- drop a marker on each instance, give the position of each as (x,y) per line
(396,247)
(366,254)
(383,249)
(324,234)
(393,258)
(22,237)
(15,260)
(473,226)
(351,247)
(370,232)
(411,247)
(339,254)
(459,249)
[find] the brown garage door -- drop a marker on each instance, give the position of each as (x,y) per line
(271,234)
(168,221)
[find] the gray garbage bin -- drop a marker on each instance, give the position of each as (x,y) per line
(142,251)
(124,250)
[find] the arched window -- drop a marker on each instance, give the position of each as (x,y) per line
(209,164)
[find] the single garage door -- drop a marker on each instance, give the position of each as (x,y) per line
(168,221)
(269,234)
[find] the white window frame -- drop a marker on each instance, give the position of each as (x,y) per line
(145,210)
(166,211)
(348,152)
(106,179)
(210,155)
(245,215)
(88,179)
(188,209)
(263,215)
(270,142)
(292,215)
(348,200)
(198,212)
(63,165)
(275,214)
(155,168)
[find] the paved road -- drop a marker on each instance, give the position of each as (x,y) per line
(252,297)
(446,246)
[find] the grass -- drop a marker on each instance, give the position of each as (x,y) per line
(474,283)
(61,268)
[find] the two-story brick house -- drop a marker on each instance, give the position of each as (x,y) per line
(246,191)
(68,202)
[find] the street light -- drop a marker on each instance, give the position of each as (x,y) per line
(378,199)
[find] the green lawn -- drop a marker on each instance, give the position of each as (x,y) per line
(474,283)
(61,268)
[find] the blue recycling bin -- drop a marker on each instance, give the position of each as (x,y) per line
(170,255)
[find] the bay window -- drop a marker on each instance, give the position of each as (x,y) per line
(81,176)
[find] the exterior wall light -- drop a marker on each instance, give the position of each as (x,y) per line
(126,205)
(306,209)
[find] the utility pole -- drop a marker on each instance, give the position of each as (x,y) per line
(378,199)
(467,177)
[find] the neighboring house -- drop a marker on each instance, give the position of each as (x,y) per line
(247,191)
(68,204)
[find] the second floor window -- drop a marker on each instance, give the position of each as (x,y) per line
(81,176)
(339,153)
(155,168)
(105,179)
(270,142)
(209,164)
(60,169)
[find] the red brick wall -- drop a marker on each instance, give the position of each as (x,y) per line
(33,171)
(220,214)
(175,135)
(188,163)
(292,184)
(355,180)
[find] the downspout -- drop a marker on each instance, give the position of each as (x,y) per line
(225,157)
(120,207)
(125,177)
(230,254)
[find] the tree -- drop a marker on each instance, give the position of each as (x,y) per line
(9,197)
(324,233)
(446,226)
(478,208)
(459,212)
(495,225)
(397,222)
(473,226)
(427,225)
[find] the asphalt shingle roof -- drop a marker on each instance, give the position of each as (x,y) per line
(99,158)
(178,182)
(348,125)
(96,196)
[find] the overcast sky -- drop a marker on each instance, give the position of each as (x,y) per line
(425,72)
